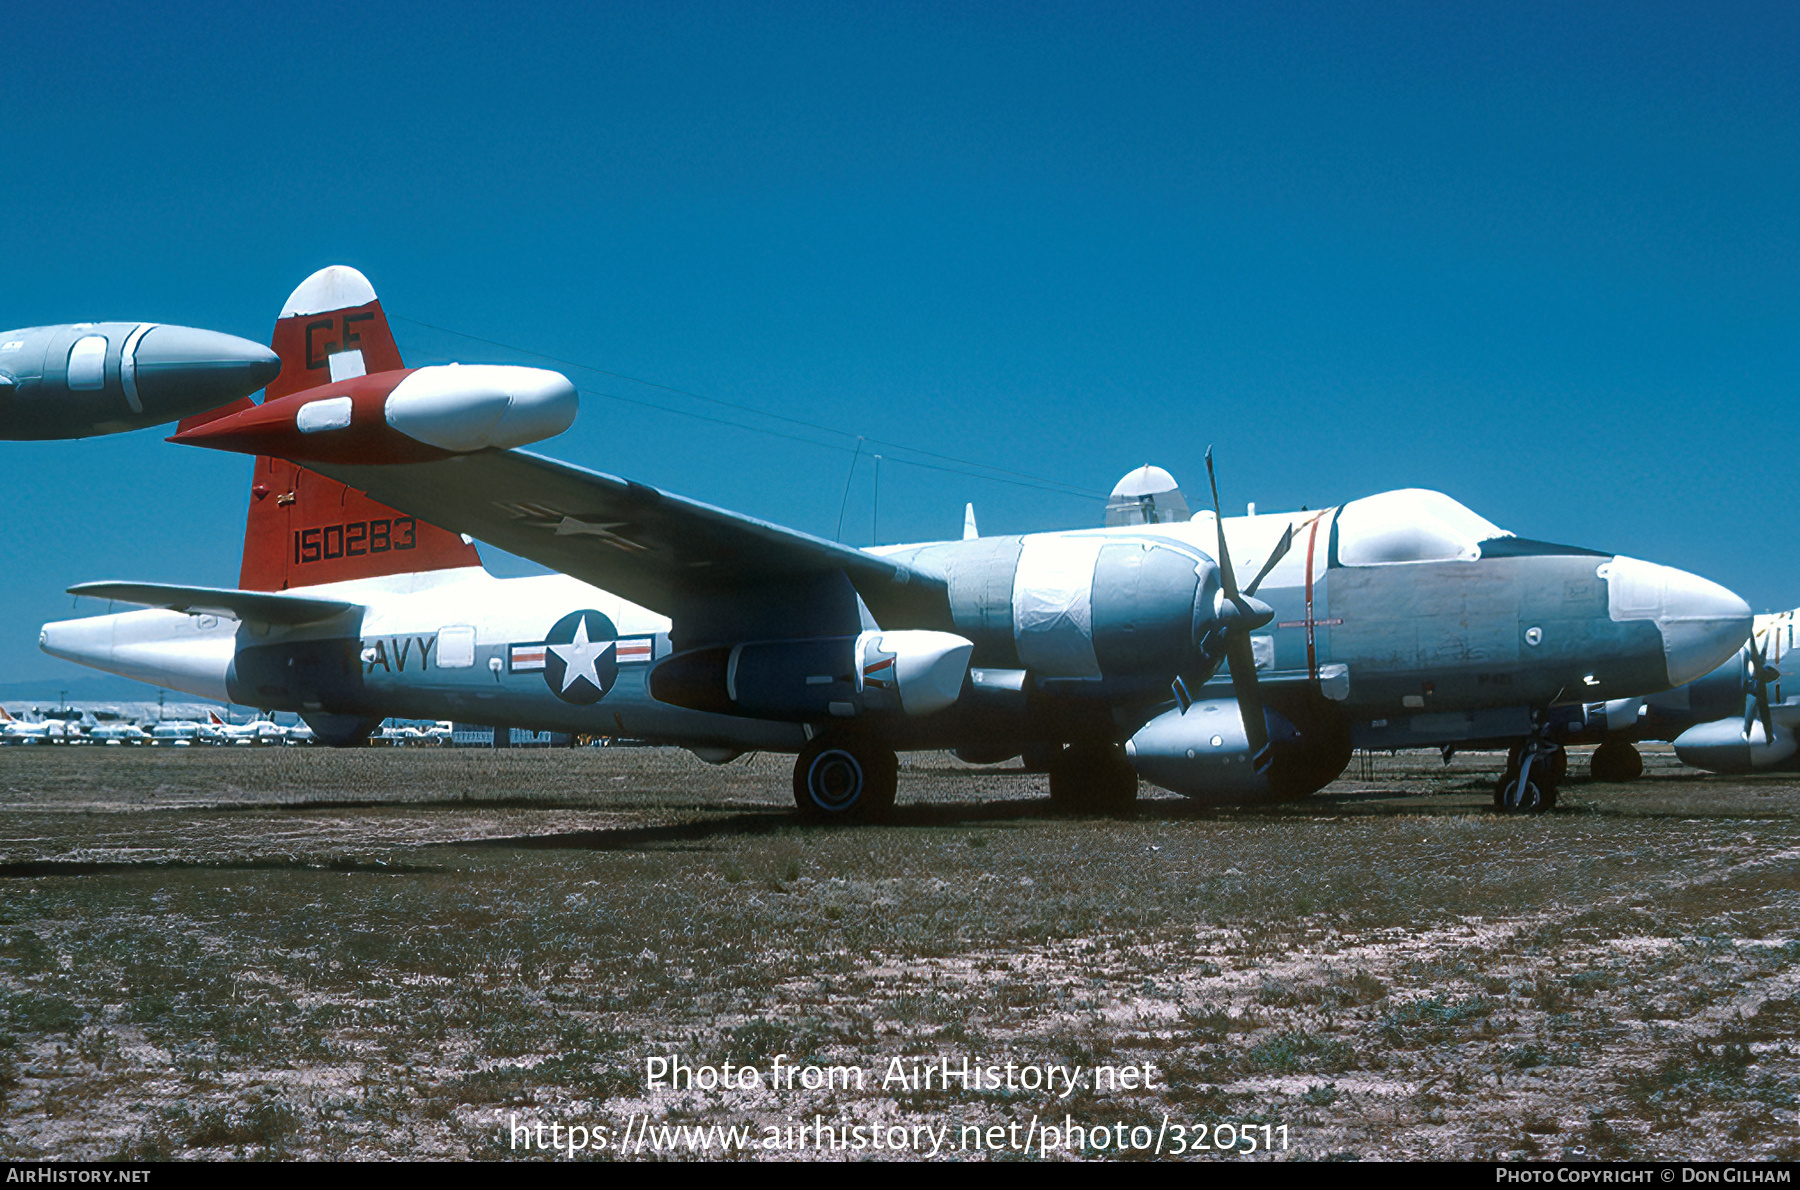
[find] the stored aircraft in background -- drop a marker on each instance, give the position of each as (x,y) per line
(81,379)
(1128,650)
(44,731)
(256,731)
(114,733)
(1732,720)
(183,733)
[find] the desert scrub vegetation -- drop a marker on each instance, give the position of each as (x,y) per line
(320,965)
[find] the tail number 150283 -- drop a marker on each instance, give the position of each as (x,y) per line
(355,538)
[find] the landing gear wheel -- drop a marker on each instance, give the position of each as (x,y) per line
(1616,760)
(839,780)
(1554,764)
(1093,779)
(1535,796)
(341,731)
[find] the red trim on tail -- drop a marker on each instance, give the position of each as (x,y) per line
(306,343)
(304,529)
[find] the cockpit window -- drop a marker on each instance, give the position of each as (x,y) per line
(1524,547)
(1411,525)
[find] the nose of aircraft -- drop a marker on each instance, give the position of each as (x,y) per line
(182,369)
(1702,624)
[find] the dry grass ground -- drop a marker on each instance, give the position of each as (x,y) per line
(215,952)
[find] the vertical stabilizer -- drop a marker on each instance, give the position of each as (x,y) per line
(304,529)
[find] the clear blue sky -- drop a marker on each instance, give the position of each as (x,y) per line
(1544,257)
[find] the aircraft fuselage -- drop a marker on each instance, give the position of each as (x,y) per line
(1076,635)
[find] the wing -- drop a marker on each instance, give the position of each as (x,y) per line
(262,606)
(665,552)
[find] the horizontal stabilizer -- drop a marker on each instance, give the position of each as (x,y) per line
(264,607)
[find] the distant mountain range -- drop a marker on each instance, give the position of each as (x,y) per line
(103,688)
(109,698)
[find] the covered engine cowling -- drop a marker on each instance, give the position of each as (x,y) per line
(909,672)
(1203,753)
(1722,747)
(1088,607)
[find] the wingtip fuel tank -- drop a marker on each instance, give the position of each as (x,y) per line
(405,416)
(77,380)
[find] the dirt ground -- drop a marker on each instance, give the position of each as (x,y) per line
(215,952)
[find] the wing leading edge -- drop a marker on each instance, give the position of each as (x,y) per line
(676,556)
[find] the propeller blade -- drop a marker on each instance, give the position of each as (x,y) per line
(1226,578)
(1759,658)
(1756,696)
(1249,698)
(1280,552)
(1239,653)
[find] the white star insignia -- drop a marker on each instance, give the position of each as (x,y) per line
(579,655)
(570,527)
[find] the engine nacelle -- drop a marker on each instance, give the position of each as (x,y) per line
(1720,694)
(1203,752)
(1087,608)
(911,672)
(1721,747)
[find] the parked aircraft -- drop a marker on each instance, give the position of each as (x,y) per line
(182,733)
(82,379)
(257,731)
(414,735)
(44,731)
(1132,650)
(1732,720)
(1713,717)
(114,733)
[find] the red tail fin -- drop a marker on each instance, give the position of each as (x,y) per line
(303,528)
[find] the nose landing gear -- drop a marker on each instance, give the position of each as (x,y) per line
(1534,769)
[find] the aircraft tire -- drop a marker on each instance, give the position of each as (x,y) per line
(839,780)
(1090,779)
(1556,760)
(1537,797)
(1616,760)
(341,731)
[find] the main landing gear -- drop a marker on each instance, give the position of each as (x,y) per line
(1534,768)
(844,778)
(1616,760)
(1092,779)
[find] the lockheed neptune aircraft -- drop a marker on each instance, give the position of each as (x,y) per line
(1732,720)
(1105,645)
(82,379)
